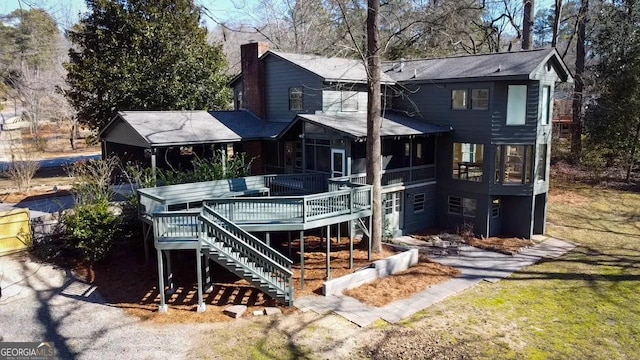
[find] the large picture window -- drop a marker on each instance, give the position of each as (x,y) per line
(295,98)
(514,164)
(468,161)
(318,155)
(517,105)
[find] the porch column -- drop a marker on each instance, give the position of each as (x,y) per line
(153,163)
(302,259)
(370,239)
(163,301)
(201,305)
(351,236)
(172,288)
(328,252)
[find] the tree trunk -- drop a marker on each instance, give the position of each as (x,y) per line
(576,131)
(527,25)
(556,23)
(374,161)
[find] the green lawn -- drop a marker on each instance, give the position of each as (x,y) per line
(584,305)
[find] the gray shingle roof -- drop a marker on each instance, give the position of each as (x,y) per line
(521,63)
(355,124)
(163,128)
(330,69)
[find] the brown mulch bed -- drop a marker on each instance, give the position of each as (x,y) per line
(500,244)
(125,281)
(315,258)
(504,245)
(403,284)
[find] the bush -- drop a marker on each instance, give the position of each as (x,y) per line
(92,230)
(22,170)
(92,180)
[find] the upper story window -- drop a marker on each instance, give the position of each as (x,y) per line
(459,99)
(295,98)
(517,104)
(479,99)
(545,111)
(239,100)
(468,161)
(514,164)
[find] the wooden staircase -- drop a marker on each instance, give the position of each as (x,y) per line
(246,256)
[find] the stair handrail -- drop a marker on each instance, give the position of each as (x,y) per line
(247,240)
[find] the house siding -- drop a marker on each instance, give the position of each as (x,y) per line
(427,218)
(281,75)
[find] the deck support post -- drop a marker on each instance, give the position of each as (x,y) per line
(206,266)
(302,259)
(370,239)
(146,229)
(163,301)
(267,238)
(351,235)
(172,288)
(338,238)
(328,252)
(201,305)
(289,242)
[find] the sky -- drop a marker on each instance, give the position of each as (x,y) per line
(66,12)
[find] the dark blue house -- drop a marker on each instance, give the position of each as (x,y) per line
(465,140)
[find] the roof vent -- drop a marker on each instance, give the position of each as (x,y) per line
(401,65)
(499,68)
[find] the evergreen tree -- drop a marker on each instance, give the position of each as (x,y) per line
(143,55)
(613,120)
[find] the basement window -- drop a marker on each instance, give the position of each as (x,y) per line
(418,203)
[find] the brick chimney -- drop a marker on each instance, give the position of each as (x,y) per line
(253,77)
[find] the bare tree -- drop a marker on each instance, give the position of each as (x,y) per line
(557,20)
(576,135)
(374,164)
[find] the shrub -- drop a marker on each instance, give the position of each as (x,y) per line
(21,171)
(92,180)
(92,229)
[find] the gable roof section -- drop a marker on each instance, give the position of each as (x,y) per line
(167,128)
(521,64)
(330,69)
(355,124)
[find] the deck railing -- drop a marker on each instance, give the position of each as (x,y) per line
(247,251)
(296,184)
(171,226)
(247,238)
(293,209)
(402,176)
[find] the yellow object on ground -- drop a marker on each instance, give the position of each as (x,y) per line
(15,231)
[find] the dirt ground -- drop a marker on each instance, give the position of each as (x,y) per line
(125,280)
(502,244)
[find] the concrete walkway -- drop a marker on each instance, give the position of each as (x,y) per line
(475,264)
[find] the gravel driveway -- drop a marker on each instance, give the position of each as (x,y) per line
(43,303)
